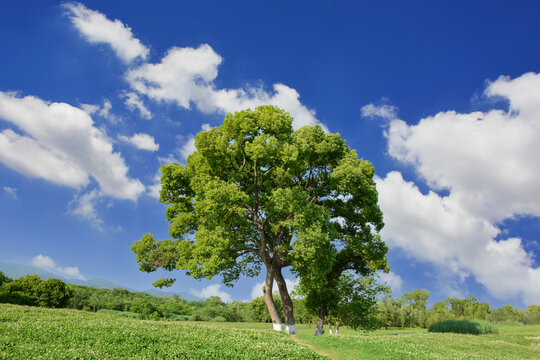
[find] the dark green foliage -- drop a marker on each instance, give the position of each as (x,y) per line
(16,297)
(4,279)
(31,290)
(473,327)
(54,293)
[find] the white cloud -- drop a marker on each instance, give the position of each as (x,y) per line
(90,109)
(487,162)
(63,146)
(212,290)
(47,263)
(393,280)
(43,262)
(96,28)
(28,157)
(256,291)
(133,102)
(103,110)
(84,207)
(385,111)
(439,230)
(186,76)
(11,191)
(141,141)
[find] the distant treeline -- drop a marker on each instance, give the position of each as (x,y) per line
(31,290)
(410,310)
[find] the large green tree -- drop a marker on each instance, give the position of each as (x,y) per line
(257,194)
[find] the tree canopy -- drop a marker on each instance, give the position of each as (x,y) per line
(258,193)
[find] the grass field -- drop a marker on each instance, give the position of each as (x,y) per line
(37,333)
(512,342)
(27,332)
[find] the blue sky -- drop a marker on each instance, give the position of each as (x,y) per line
(442,97)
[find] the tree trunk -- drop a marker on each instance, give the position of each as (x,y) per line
(269,301)
(319,330)
(330,327)
(337,327)
(288,311)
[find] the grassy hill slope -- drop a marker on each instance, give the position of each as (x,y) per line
(38,333)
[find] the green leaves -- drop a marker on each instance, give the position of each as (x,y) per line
(257,192)
(160,283)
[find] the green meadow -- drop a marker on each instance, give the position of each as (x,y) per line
(39,333)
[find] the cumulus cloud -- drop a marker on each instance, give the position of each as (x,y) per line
(62,146)
(11,191)
(487,162)
(212,290)
(49,264)
(133,102)
(185,76)
(486,159)
(141,141)
(96,28)
(30,158)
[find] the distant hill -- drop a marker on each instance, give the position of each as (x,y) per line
(17,270)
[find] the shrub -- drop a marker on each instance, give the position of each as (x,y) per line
(176,317)
(219,319)
(16,297)
(53,293)
(198,317)
(474,327)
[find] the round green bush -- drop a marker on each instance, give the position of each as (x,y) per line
(473,327)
